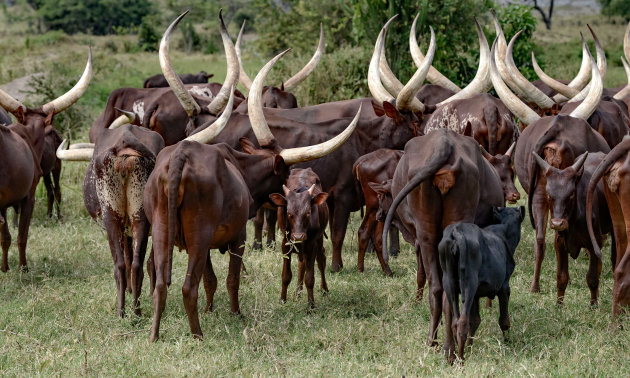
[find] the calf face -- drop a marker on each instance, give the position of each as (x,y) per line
(299,205)
(561,190)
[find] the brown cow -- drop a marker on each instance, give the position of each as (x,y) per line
(370,171)
(615,170)
(22,150)
(199,197)
(441,179)
(566,198)
(303,223)
(560,139)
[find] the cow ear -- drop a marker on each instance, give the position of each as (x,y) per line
(278,200)
(248,146)
(392,112)
(279,165)
(468,129)
(319,198)
(208,76)
(378,108)
(49,119)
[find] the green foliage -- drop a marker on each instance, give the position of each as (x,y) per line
(344,71)
(296,25)
(52,84)
(616,8)
(92,16)
(513,18)
(148,38)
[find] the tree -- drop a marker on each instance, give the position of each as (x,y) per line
(616,8)
(546,17)
(92,16)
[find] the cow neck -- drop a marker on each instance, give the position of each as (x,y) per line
(33,131)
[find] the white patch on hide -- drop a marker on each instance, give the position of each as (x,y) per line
(448,118)
(138,108)
(201,91)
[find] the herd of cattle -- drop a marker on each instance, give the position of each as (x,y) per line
(190,164)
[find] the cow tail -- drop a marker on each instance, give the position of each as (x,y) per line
(439,158)
(547,137)
(603,167)
(490,116)
(175,170)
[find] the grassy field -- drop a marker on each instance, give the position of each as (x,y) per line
(60,317)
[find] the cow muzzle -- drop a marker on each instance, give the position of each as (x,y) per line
(298,236)
(513,197)
(558,224)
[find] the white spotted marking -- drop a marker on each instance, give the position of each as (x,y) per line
(138,108)
(203,91)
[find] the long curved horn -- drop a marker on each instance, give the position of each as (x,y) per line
(626,90)
(389,80)
(66,100)
(310,66)
(502,52)
(541,162)
(481,82)
(82,154)
(554,84)
(601,65)
(510,150)
(78,146)
(127,117)
(434,76)
(530,92)
(588,106)
(406,99)
(242,75)
(626,42)
(232,75)
(9,103)
(377,89)
(302,154)
(581,79)
(188,103)
(254,104)
(211,129)
(525,114)
(579,162)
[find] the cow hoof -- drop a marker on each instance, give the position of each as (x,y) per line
(137,312)
(256,245)
(198,336)
(394,252)
(388,272)
(5,269)
(209,308)
(534,289)
(594,304)
(24,269)
(336,268)
(154,337)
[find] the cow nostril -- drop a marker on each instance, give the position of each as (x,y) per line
(298,237)
(558,224)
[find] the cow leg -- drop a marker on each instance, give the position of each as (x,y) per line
(140,231)
(197,259)
(151,271)
(364,235)
(210,284)
(160,247)
(128,257)
(26,211)
(468,302)
(234,271)
(427,244)
(5,240)
(475,320)
(286,270)
(117,245)
(378,245)
(504,315)
(271,218)
(394,241)
(338,227)
(621,287)
(540,209)
(56,173)
(309,275)
(450,304)
(50,197)
(301,270)
(562,274)
(592,276)
(321,263)
(259,221)
(421,277)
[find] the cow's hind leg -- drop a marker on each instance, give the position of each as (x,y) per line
(338,227)
(56,173)
(50,196)
(394,241)
(474,321)
(321,263)
(140,230)
(5,240)
(26,212)
(378,245)
(117,244)
(237,248)
(271,218)
(160,256)
(259,222)
(366,230)
(504,315)
(592,276)
(197,259)
(210,284)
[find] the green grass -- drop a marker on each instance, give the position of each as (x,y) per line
(60,317)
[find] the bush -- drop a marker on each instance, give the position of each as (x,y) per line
(98,17)
(616,8)
(148,38)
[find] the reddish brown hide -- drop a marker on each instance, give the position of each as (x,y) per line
(303,219)
(615,171)
(441,179)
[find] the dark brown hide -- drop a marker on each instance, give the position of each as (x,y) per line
(159,81)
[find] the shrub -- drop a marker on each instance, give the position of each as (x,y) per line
(616,8)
